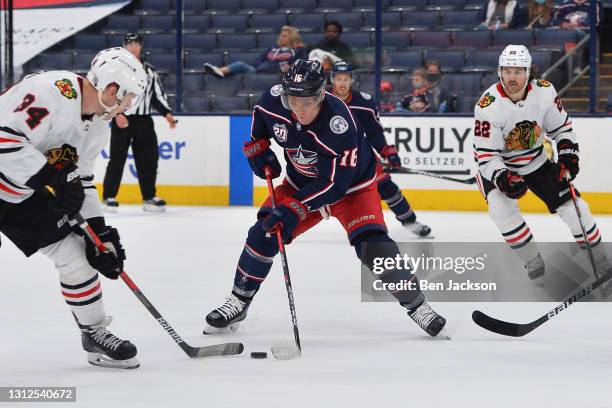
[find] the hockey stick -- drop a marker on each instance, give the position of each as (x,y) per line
(285,352)
(587,243)
(406,170)
(193,352)
(517,329)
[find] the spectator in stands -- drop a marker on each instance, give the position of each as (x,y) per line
(289,47)
(575,14)
(420,99)
(441,99)
(332,43)
(539,14)
(501,14)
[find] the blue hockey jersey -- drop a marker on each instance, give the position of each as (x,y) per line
(326,159)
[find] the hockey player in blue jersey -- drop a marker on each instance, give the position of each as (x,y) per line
(364,109)
(330,172)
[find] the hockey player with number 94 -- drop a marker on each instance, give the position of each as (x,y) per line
(330,172)
(514,117)
(50,123)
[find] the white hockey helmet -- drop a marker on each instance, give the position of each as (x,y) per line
(514,56)
(118,65)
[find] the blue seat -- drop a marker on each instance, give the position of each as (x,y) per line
(237,41)
(161,41)
(466,103)
(82,60)
(542,60)
(94,42)
(163,62)
(226,86)
(161,6)
(313,38)
(369,4)
(428,19)
(195,60)
(489,79)
(389,20)
(204,42)
(270,6)
(449,60)
(502,38)
(335,4)
(221,6)
(467,84)
(194,82)
(248,57)
(352,21)
(405,59)
(445,4)
(55,61)
(409,4)
(268,40)
(196,103)
(487,60)
(396,39)
(478,39)
(197,22)
(554,38)
(274,21)
(238,22)
(163,23)
(195,6)
(258,83)
(123,22)
(304,20)
(357,39)
(468,18)
(229,104)
(439,39)
(305,5)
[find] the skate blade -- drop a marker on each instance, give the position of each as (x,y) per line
(232,328)
(442,335)
(286,352)
(153,208)
(100,360)
(109,210)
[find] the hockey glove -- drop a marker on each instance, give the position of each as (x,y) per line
(389,152)
(108,263)
(568,159)
(66,192)
(285,216)
(260,156)
(509,183)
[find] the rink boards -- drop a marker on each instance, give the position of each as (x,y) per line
(201,163)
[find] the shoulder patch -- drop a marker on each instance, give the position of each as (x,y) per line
(543,83)
(66,88)
(276,90)
(338,124)
(486,100)
(366,96)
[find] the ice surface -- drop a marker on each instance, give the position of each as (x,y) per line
(354,354)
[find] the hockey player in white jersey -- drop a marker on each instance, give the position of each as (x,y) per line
(50,123)
(512,119)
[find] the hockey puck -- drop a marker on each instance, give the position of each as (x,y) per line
(259,354)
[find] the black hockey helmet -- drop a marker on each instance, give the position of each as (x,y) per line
(341,67)
(304,78)
(132,37)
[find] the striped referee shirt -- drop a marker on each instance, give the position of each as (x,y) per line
(154,95)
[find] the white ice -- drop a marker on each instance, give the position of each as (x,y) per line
(354,354)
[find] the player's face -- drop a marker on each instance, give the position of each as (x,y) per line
(305,108)
(514,79)
(342,84)
(135,48)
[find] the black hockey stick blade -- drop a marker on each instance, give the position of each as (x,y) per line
(224,349)
(505,328)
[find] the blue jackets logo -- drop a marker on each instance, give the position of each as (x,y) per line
(280,132)
(304,161)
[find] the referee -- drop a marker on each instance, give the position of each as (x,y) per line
(138,131)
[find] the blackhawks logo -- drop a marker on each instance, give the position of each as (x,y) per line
(62,155)
(66,88)
(543,83)
(486,100)
(524,136)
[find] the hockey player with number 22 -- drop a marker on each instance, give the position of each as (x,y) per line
(365,111)
(512,118)
(50,123)
(330,173)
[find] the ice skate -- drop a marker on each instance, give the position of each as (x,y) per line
(104,349)
(227,317)
(429,320)
(418,229)
(110,205)
(155,204)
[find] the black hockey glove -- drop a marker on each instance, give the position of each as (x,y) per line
(568,159)
(66,194)
(286,216)
(109,263)
(509,183)
(260,156)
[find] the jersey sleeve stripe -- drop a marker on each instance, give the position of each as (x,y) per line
(274,115)
(320,143)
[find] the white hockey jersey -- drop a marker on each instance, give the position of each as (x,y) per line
(37,115)
(510,135)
